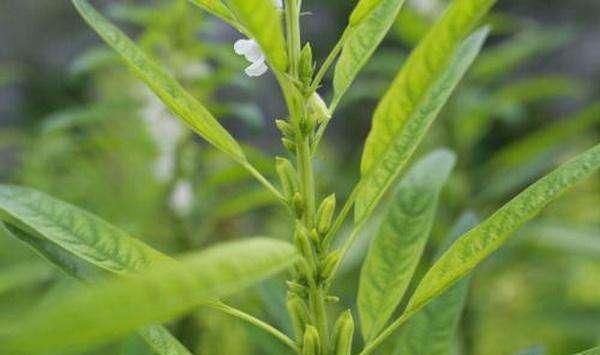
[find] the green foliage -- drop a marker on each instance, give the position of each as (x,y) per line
(369,23)
(397,248)
(487,237)
(394,135)
(167,290)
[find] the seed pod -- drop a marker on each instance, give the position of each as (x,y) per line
(287,176)
(318,109)
(343,331)
(306,65)
(289,145)
(296,288)
(299,314)
(311,343)
(329,264)
(307,125)
(298,205)
(285,128)
(314,235)
(325,214)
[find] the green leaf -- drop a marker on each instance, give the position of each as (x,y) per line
(263,22)
(433,330)
(397,248)
(369,23)
(170,91)
(594,351)
(407,110)
(78,232)
(23,274)
(217,8)
(84,316)
(483,240)
(80,244)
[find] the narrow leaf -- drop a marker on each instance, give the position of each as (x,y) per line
(166,291)
(405,114)
(433,330)
(82,245)
(396,250)
(369,23)
(263,22)
(480,242)
(170,91)
(217,8)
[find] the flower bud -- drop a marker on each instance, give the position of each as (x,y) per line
(329,264)
(298,205)
(318,109)
(311,344)
(289,145)
(306,65)
(299,314)
(287,176)
(285,128)
(343,331)
(325,214)
(303,243)
(296,288)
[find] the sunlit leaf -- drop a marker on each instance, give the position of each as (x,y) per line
(593,351)
(170,91)
(263,22)
(405,113)
(396,250)
(369,23)
(481,241)
(84,316)
(217,8)
(433,330)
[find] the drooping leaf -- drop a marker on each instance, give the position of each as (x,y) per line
(82,245)
(473,247)
(84,316)
(369,23)
(406,112)
(263,22)
(170,91)
(78,232)
(433,329)
(397,248)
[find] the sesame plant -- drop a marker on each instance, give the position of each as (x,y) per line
(128,286)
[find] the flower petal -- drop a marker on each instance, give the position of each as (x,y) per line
(257,68)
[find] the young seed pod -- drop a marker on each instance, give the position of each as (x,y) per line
(332,299)
(285,128)
(299,314)
(287,176)
(325,214)
(296,288)
(343,331)
(306,65)
(329,264)
(311,344)
(307,125)
(289,145)
(298,205)
(303,243)
(318,109)
(314,235)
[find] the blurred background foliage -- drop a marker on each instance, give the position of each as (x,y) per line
(77,125)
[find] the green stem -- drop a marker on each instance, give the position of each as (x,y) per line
(292,11)
(261,179)
(307,180)
(256,322)
(328,62)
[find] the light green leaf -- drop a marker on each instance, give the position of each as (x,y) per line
(594,351)
(480,242)
(433,330)
(24,274)
(78,232)
(80,244)
(369,23)
(405,113)
(217,8)
(397,248)
(170,91)
(167,290)
(263,22)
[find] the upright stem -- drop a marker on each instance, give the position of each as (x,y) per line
(305,171)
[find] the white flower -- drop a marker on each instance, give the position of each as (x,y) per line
(251,50)
(182,198)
